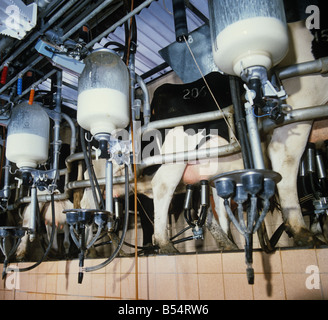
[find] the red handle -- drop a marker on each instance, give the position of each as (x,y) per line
(4,75)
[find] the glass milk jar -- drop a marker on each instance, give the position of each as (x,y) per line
(247,33)
(28,136)
(103,93)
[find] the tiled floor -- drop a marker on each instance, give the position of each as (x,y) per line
(284,275)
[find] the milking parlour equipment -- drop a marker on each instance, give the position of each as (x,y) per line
(197,221)
(248,39)
(27,146)
(103,109)
(313,185)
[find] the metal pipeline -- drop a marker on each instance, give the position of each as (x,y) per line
(57,120)
(304,114)
(33,213)
(43,29)
(191,155)
(86,19)
(305,68)
(6,187)
(69,17)
(14,79)
(181,121)
(254,137)
(35,84)
(109,186)
(46,26)
(146,104)
(118,23)
(73,132)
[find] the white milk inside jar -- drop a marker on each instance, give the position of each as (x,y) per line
(102,110)
(103,94)
(27,150)
(249,33)
(259,41)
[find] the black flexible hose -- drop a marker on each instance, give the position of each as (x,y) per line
(119,46)
(202,216)
(94,178)
(313,185)
(52,236)
(125,227)
(187,216)
(88,165)
(240,123)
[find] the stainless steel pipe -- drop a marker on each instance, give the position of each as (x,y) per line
(304,114)
(120,22)
(181,121)
(109,186)
(51,21)
(193,155)
(305,68)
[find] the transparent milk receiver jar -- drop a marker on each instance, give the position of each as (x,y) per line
(28,136)
(247,33)
(103,93)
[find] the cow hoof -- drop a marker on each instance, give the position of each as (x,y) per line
(20,257)
(92,253)
(149,249)
(227,246)
(168,249)
(305,238)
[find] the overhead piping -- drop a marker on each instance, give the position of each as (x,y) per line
(46,26)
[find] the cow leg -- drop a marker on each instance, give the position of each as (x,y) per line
(164,184)
(92,252)
(285,151)
(54,242)
(220,230)
(21,250)
(222,214)
(78,193)
(222,240)
(146,214)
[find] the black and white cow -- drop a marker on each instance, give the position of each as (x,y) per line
(172,100)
